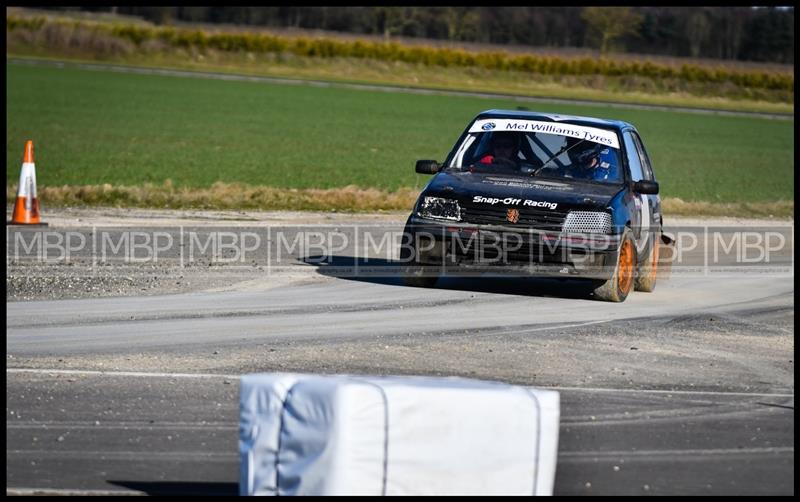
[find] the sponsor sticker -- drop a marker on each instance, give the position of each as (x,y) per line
(594,134)
(512,215)
(541,185)
(511,201)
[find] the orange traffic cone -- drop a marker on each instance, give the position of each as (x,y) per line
(26,207)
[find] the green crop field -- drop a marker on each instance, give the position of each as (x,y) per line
(98,127)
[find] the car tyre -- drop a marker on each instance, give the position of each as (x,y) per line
(647,271)
(617,288)
(415,274)
(415,277)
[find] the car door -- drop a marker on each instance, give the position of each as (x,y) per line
(654,200)
(640,216)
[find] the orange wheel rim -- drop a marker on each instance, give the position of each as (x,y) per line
(626,267)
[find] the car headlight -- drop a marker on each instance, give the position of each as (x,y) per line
(439,208)
(587,222)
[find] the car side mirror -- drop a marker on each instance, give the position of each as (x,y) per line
(645,187)
(428,167)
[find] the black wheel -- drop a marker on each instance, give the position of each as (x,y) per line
(647,270)
(415,277)
(414,273)
(616,289)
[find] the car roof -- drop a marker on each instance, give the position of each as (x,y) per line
(616,125)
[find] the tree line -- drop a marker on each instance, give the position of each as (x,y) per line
(764,34)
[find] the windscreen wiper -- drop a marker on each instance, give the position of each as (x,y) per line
(564,149)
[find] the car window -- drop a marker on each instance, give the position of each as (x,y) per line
(541,154)
(634,161)
(647,168)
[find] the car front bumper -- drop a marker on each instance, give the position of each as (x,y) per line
(455,248)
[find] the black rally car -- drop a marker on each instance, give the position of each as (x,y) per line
(539,194)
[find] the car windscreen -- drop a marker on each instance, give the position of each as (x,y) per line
(543,149)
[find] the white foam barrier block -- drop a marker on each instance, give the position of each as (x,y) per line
(354,435)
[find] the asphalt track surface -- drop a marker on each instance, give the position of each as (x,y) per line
(686,390)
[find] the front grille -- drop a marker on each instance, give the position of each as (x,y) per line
(540,219)
(588,222)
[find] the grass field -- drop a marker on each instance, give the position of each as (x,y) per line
(94,127)
(349,70)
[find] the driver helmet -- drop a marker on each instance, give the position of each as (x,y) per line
(584,153)
(505,138)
